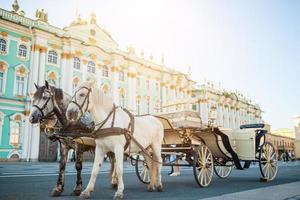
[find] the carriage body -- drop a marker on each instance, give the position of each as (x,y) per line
(214,149)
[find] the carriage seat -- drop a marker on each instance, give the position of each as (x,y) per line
(242,141)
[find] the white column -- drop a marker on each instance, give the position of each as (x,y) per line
(34,70)
(238,118)
(115,89)
(42,66)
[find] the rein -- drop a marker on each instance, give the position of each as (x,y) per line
(86,99)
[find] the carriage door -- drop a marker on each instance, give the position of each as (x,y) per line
(245,144)
(47,149)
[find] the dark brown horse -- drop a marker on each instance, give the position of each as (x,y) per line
(49,109)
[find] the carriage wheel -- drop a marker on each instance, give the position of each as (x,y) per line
(268,161)
(223,171)
(142,170)
(203,165)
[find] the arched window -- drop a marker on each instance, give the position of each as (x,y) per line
(1,124)
(76,82)
(20,81)
(22,51)
(3,69)
(76,63)
(52,57)
(122,97)
(2,45)
(138,105)
(148,105)
(91,67)
(121,76)
(16,124)
(14,138)
(105,71)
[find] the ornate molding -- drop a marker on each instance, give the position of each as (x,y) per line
(115,69)
(4,34)
(24,39)
(66,55)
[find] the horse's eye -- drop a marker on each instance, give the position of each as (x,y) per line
(44,97)
(81,95)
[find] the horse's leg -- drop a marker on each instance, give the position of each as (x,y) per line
(151,187)
(119,155)
(113,174)
(156,150)
(99,156)
(58,189)
(78,166)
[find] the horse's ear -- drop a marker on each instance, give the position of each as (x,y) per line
(59,95)
(47,84)
(36,86)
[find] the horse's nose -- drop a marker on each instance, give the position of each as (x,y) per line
(72,115)
(35,117)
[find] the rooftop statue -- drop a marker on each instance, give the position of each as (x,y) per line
(41,15)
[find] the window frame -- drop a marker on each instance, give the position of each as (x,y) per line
(50,60)
(105,71)
(4,53)
(26,52)
(88,67)
(76,61)
(2,90)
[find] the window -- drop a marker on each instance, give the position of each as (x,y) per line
(76,63)
(105,88)
(138,106)
(122,97)
(22,51)
(121,76)
(1,82)
(1,124)
(14,133)
(52,57)
(20,85)
(157,87)
(138,81)
(105,71)
(91,67)
(148,106)
(2,45)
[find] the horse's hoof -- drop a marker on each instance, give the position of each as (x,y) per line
(85,195)
(118,196)
(114,185)
(56,192)
(159,188)
(76,192)
(150,188)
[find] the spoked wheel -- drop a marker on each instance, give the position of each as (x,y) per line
(142,170)
(268,161)
(223,171)
(203,165)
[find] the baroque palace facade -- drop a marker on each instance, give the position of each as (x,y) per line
(32,51)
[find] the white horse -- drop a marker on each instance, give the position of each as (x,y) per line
(148,131)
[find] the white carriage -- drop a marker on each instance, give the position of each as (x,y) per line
(211,149)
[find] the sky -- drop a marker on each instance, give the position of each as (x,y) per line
(250,46)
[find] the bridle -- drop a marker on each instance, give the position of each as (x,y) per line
(86,99)
(41,109)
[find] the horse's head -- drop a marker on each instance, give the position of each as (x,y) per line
(81,101)
(45,99)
